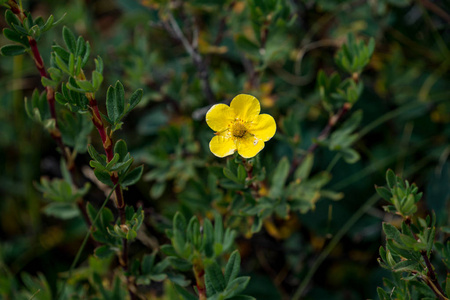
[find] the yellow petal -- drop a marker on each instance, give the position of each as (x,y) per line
(246,107)
(219,116)
(249,146)
(264,127)
(222,146)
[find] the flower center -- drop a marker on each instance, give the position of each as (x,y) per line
(238,129)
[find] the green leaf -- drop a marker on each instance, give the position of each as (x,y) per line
(133,176)
(61,52)
(97,80)
(304,169)
(48,24)
(179,233)
(350,155)
(95,155)
(104,251)
(121,148)
(180,264)
(104,177)
(214,280)
(147,263)
(48,82)
(384,193)
(86,86)
(183,294)
(115,102)
(391,179)
(62,210)
(392,232)
(280,175)
(112,161)
(232,267)
(135,99)
(230,175)
(11,18)
(15,37)
(241,174)
(237,286)
(69,39)
(382,294)
(158,189)
(208,238)
(12,50)
(406,266)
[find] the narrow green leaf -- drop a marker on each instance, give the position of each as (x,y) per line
(391,179)
(119,99)
(12,50)
(237,286)
(15,36)
(95,155)
(48,82)
(104,177)
(11,18)
(135,99)
(392,232)
(230,175)
(110,104)
(97,80)
(241,173)
(215,279)
(382,294)
(280,175)
(384,193)
(133,176)
(183,294)
(218,229)
(304,169)
(61,52)
(232,267)
(48,24)
(121,148)
(86,86)
(61,63)
(104,251)
(69,39)
(112,161)
(179,233)
(87,52)
(406,266)
(208,238)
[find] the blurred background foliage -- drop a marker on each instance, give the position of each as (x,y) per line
(273,50)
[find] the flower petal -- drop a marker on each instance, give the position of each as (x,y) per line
(222,146)
(249,146)
(219,116)
(264,127)
(246,107)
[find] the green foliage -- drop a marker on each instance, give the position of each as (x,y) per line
(20,32)
(408,250)
(354,56)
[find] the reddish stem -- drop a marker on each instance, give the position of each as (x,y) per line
(55,133)
(108,147)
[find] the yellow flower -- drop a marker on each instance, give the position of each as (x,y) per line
(239,127)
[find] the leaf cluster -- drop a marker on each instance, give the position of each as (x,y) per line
(21,31)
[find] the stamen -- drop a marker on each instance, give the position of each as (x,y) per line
(238,129)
